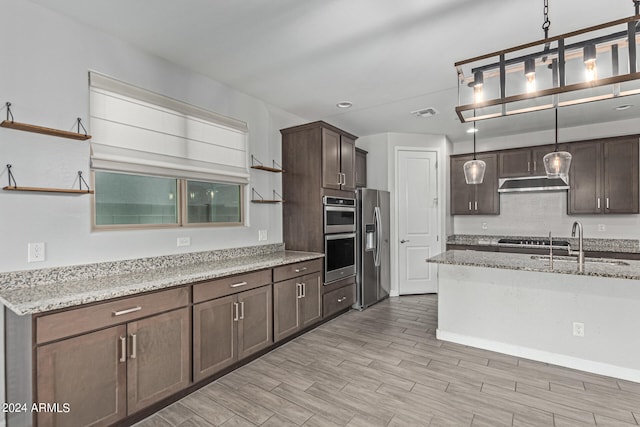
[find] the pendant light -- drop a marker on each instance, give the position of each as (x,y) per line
(557,163)
(474,169)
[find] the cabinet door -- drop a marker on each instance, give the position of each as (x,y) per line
(89,373)
(311,301)
(331,177)
(487,200)
(361,168)
(537,154)
(348,163)
(214,336)
(286,315)
(585,179)
(254,325)
(159,361)
(460,190)
(621,176)
(515,163)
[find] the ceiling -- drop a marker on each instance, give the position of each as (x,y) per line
(387,58)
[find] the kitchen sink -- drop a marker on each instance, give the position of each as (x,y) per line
(586,260)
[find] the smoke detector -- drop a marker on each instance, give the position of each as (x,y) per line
(425,112)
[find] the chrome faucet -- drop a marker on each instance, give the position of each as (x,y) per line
(580,251)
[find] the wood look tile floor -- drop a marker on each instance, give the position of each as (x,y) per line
(384,367)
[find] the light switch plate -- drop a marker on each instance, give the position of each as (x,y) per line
(184,241)
(36,252)
(262,235)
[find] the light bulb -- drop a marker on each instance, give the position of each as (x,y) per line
(478,95)
(531,82)
(591,71)
(530,74)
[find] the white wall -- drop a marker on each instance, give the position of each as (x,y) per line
(536,214)
(44,75)
(381,174)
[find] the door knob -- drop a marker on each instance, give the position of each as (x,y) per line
(404,241)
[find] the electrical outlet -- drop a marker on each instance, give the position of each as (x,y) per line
(485,226)
(36,252)
(183,241)
(262,235)
(602,227)
(578,329)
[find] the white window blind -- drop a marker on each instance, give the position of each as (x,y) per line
(137,131)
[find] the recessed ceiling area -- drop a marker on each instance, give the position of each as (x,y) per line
(387,58)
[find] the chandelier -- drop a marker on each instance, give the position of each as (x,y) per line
(592,64)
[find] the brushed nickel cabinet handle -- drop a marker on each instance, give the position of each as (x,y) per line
(299,290)
(127,311)
(304,289)
(236,315)
(476,205)
(598,203)
(469,205)
(342,299)
(123,349)
(339,178)
(528,166)
(607,205)
(242,310)
(300,270)
(237,285)
(134,342)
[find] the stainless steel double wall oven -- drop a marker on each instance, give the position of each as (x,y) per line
(339,238)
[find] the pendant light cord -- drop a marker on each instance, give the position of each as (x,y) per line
(556,150)
(637,5)
(474,135)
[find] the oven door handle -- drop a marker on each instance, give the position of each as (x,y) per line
(339,236)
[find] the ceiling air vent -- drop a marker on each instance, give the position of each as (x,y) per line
(425,112)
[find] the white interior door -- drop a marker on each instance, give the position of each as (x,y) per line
(418,223)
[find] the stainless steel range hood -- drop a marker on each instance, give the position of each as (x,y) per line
(532,183)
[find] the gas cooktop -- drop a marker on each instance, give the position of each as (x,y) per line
(527,243)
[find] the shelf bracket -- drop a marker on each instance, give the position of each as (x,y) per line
(276,165)
(276,195)
(11,177)
(9,113)
(254,193)
(255,162)
(81,125)
(81,180)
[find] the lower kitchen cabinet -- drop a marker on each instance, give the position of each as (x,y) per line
(297,303)
(230,328)
(339,299)
(108,374)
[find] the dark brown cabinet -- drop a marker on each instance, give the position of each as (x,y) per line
(232,326)
(338,160)
(361,168)
(522,162)
(319,160)
(297,303)
(603,177)
(114,372)
(475,199)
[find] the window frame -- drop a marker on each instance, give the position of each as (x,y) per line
(181,207)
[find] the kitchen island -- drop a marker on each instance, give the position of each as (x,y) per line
(517,304)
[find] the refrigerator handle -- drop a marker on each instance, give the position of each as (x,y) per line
(378,222)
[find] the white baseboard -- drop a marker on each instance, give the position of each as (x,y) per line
(394,293)
(543,356)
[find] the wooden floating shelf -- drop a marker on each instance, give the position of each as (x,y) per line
(267,168)
(43,130)
(48,190)
(267,201)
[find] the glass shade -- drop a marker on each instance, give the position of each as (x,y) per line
(557,163)
(474,171)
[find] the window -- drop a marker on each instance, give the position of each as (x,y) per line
(125,200)
(158,161)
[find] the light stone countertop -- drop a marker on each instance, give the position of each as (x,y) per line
(600,267)
(589,244)
(42,296)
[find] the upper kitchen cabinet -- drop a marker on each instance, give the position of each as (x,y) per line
(603,177)
(522,162)
(475,199)
(361,168)
(319,160)
(338,160)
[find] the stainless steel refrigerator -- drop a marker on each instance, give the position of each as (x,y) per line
(372,251)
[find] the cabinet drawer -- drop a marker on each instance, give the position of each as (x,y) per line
(298,269)
(76,321)
(338,300)
(230,285)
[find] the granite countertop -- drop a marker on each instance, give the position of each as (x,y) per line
(589,244)
(31,293)
(600,267)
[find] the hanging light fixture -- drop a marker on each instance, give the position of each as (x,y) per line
(558,71)
(474,169)
(557,163)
